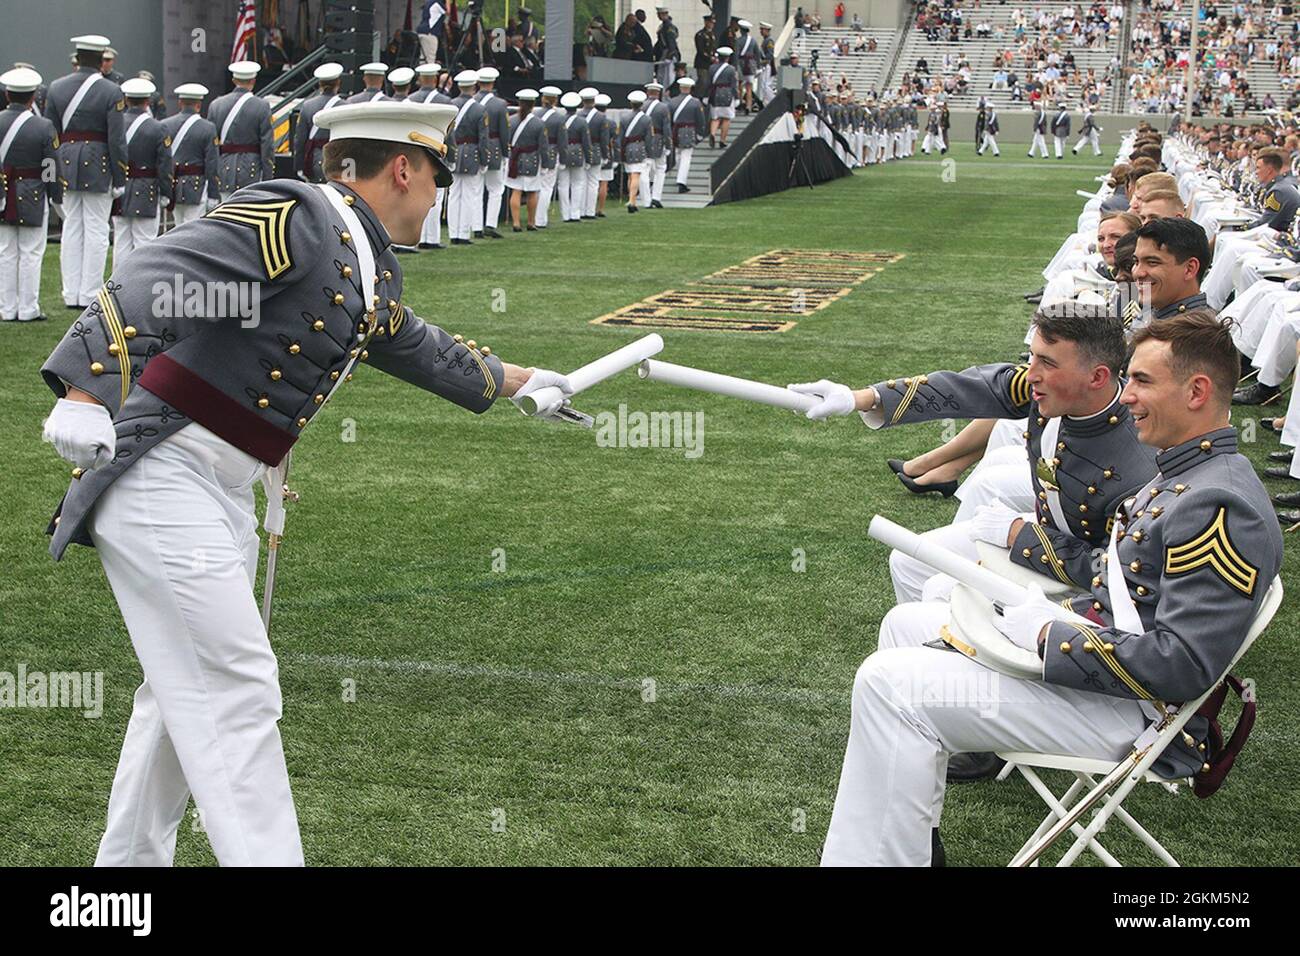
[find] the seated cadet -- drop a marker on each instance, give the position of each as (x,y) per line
(1197,549)
(1162,204)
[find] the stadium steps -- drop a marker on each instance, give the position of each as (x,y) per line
(699,181)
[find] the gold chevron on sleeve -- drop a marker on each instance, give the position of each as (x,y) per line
(118,335)
(1052,559)
(1213,547)
(1018,389)
(908,396)
(1131,311)
(1106,653)
(270,220)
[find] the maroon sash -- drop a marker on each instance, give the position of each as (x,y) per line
(12,175)
(513,169)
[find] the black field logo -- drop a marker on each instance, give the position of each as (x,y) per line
(767,293)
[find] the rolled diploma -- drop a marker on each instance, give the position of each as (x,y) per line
(700,380)
(977,577)
(1085,195)
(545,401)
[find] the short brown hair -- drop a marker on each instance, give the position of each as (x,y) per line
(1273,156)
(1129,219)
(1166,195)
(1199,342)
(1156,180)
(367,157)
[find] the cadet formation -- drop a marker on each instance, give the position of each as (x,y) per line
(1103,458)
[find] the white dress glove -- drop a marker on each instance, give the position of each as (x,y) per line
(82,433)
(992,523)
(836,399)
(1022,623)
(542,378)
(119,192)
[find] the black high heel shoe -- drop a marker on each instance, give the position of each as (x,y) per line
(945,488)
(895,465)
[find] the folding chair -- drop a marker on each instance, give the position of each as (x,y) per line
(1087,792)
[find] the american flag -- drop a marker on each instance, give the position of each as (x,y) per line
(245,31)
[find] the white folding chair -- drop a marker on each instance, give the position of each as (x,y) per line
(1087,791)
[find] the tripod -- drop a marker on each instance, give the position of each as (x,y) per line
(797,162)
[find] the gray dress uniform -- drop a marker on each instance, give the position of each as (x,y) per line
(92,141)
(34,149)
(660,118)
(1040,121)
(498,127)
(247,147)
(632,139)
(575,146)
(195,157)
(552,122)
(149,167)
(470,136)
(1061,125)
(1280,203)
(366,96)
(1198,547)
(1096,463)
(526,150)
(309,140)
(598,133)
(689,123)
(256,387)
(724,85)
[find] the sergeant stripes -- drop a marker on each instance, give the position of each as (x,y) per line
(271,222)
(1213,547)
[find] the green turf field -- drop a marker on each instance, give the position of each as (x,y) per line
(501,716)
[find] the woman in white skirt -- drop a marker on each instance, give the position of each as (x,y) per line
(523,173)
(724,90)
(632,147)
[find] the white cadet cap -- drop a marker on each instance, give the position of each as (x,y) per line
(570,100)
(328,71)
(685,82)
(191,91)
(20,80)
(744,25)
(654,86)
(92,42)
(244,69)
(602,100)
(401,76)
(528,95)
(137,88)
(466,78)
(764,25)
(375,67)
(724,51)
(394,121)
(588,92)
(550,91)
(489,74)
(429,69)
(636,96)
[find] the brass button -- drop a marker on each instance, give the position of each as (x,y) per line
(364,354)
(392,305)
(1108,473)
(1043,558)
(345,237)
(387,275)
(1060,446)
(888,384)
(1083,509)
(485,350)
(1026,552)
(1206,446)
(1025,434)
(295,348)
(353,353)
(349,200)
(1179,489)
(458,339)
(129,331)
(318,398)
(924,379)
(1205,768)
(1087,647)
(96,368)
(1084,522)
(113,349)
(1142,592)
(471,344)
(263,402)
(1096,605)
(338,298)
(1137,535)
(1042,420)
(1065,647)
(78,472)
(1135,566)
(1096,581)
(1157,511)
(302,423)
(1154,492)
(276,374)
(1139,513)
(318,325)
(348,377)
(1114,419)
(346,272)
(334,375)
(1056,463)
(1108,647)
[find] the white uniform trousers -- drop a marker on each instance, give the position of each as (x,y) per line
(466,196)
(494,183)
(1291,430)
(914,706)
(184,212)
(431,231)
(20,271)
(684,154)
(546,189)
(1254,310)
(1276,356)
(658,173)
(1229,248)
(1038,142)
(990,142)
(1001,477)
(1092,137)
(178,539)
(932,141)
(130,232)
(571,183)
(910,575)
(83,247)
(1058,142)
(591,191)
(1254,269)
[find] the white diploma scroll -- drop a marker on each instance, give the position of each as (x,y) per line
(655,371)
(548,401)
(991,585)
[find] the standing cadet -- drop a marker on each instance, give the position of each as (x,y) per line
(29,149)
(689,127)
(498,135)
(596,131)
(767,63)
(245,139)
(553,124)
(575,145)
(666,51)
(656,146)
(609,137)
(86,110)
(428,92)
(990,140)
(632,147)
(194,155)
(1040,130)
(171,422)
(308,138)
(526,135)
(724,88)
(932,135)
(1090,133)
(706,45)
(747,53)
(469,135)
(399,80)
(148,174)
(372,79)
(1061,128)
